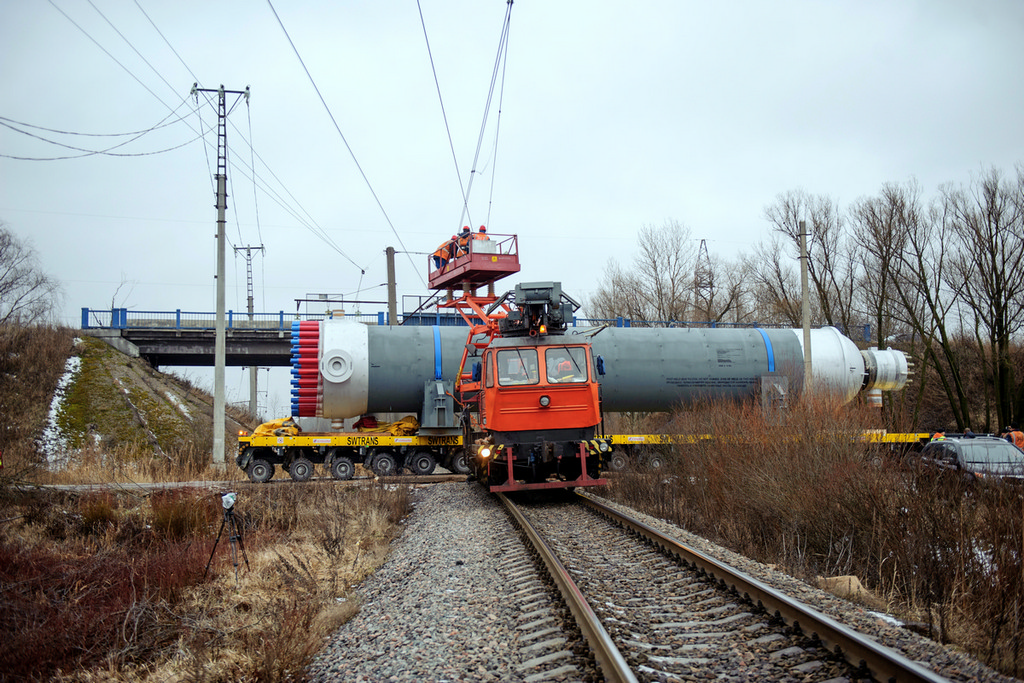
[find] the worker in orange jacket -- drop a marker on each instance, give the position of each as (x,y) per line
(444,253)
(463,240)
(1014,436)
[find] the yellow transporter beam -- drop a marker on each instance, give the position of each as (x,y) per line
(353,440)
(870,436)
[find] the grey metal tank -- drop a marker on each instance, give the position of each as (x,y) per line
(368,369)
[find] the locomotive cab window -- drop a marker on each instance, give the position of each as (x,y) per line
(517,366)
(566,364)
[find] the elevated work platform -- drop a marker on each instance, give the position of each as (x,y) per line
(473,262)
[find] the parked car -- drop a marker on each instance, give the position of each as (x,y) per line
(976,457)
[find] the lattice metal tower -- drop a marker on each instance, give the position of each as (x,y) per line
(703,282)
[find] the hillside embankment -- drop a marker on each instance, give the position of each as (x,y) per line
(128,584)
(104,403)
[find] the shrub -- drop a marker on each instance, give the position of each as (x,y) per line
(179,514)
(800,490)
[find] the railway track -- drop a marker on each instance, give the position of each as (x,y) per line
(652,609)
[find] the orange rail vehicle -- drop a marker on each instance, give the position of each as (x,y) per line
(532,400)
(529,392)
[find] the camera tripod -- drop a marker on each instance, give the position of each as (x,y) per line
(235,538)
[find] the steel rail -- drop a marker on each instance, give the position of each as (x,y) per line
(883,663)
(613,664)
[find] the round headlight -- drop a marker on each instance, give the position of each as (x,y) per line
(545,401)
(603,447)
(485,451)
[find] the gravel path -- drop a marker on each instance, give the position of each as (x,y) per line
(439,608)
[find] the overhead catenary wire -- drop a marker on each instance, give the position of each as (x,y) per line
(440,99)
(167,42)
(134,49)
(497,125)
(343,139)
(252,161)
(498,61)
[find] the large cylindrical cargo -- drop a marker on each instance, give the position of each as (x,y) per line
(368,369)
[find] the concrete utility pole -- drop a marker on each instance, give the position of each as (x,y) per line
(220,342)
(253,406)
(392,288)
(806,309)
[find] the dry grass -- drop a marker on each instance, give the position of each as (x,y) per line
(797,491)
(111,587)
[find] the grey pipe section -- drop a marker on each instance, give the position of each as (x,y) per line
(647,369)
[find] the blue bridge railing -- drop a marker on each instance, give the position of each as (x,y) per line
(125,319)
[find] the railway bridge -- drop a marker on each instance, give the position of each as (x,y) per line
(186,338)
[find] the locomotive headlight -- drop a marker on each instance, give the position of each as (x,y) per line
(545,401)
(485,451)
(603,446)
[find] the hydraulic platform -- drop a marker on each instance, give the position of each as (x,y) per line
(474,262)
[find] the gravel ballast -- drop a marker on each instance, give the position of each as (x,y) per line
(439,608)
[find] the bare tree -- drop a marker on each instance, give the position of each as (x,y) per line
(27,295)
(926,295)
(775,286)
(880,227)
(726,294)
(659,286)
(891,232)
(830,266)
(987,222)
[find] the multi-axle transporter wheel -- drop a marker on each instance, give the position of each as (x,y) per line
(422,462)
(460,462)
(654,461)
(342,467)
(260,471)
(618,461)
(385,465)
(301,469)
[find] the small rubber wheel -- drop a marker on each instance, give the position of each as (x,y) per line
(655,461)
(260,471)
(422,463)
(342,467)
(301,469)
(385,465)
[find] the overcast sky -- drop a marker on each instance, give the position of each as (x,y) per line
(613,116)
